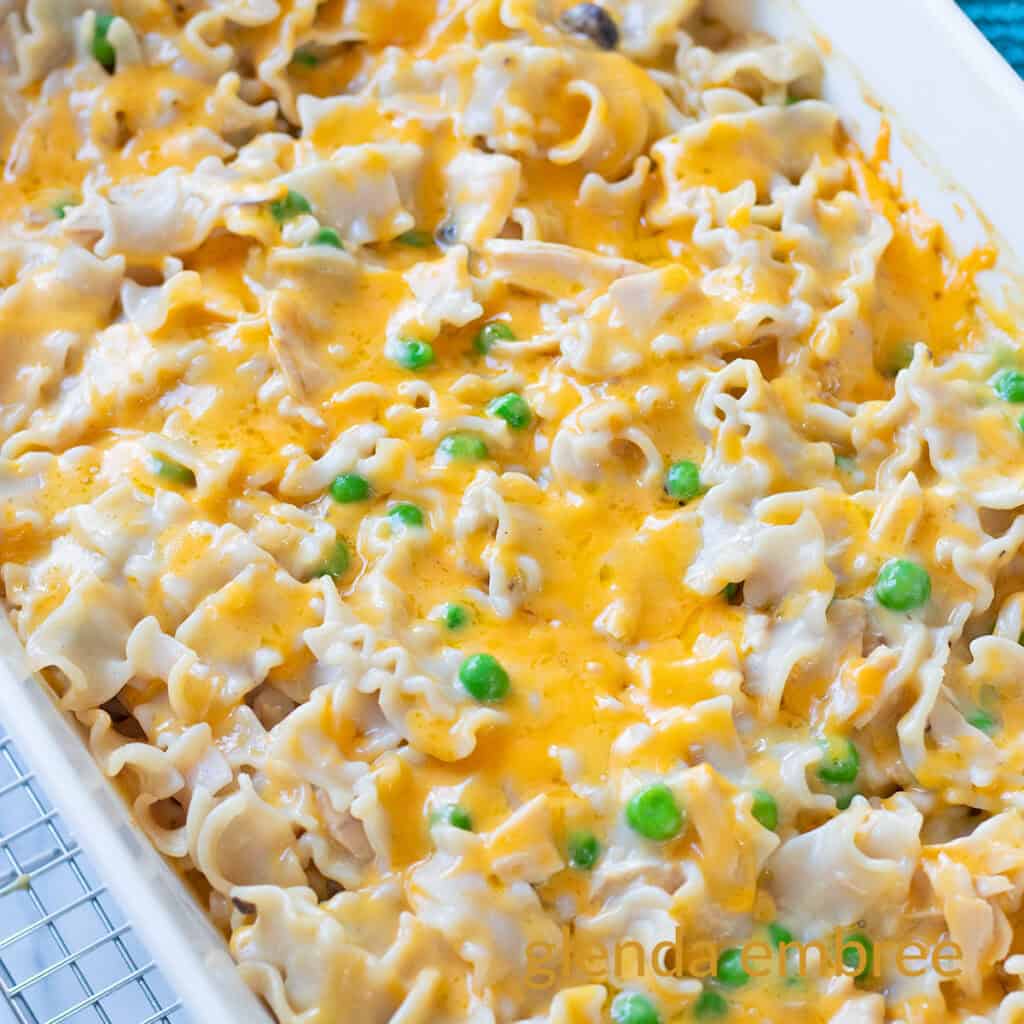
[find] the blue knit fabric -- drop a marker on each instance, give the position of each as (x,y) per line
(1003,22)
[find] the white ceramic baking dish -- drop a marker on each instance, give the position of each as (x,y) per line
(957,113)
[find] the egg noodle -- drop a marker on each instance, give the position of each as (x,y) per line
(476,468)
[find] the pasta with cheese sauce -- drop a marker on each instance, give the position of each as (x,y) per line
(491,476)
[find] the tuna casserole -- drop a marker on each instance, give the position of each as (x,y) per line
(500,478)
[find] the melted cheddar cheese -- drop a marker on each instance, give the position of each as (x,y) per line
(497,479)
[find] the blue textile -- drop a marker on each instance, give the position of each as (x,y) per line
(1003,22)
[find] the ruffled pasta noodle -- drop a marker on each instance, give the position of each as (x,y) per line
(346,341)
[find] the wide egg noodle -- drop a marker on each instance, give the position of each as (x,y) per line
(510,267)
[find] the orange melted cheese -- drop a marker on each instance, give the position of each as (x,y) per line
(625,662)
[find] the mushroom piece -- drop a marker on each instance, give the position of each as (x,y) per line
(593,22)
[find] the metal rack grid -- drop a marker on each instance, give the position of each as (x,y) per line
(67,953)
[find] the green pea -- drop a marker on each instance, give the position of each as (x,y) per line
(454,616)
(290,205)
(489,334)
(412,354)
(634,1008)
(792,100)
(483,678)
(511,408)
(983,720)
(584,850)
(846,463)
(682,481)
(841,760)
(731,592)
(104,53)
(845,797)
(863,958)
(1020,424)
(60,209)
(173,472)
(305,59)
(730,970)
(454,815)
(899,358)
(765,809)
(778,936)
(654,813)
(327,236)
(710,1005)
(415,238)
(902,586)
(463,447)
(1009,386)
(349,487)
(336,563)
(406,513)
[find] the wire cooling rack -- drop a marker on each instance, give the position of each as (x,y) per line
(67,954)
